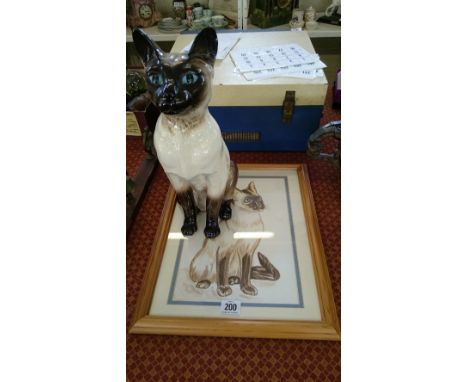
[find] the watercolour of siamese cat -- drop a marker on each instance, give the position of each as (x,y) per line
(187,138)
(228,261)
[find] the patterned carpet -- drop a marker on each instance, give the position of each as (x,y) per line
(178,358)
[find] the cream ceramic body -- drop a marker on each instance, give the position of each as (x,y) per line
(193,154)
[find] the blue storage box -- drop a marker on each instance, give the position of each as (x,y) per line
(250,113)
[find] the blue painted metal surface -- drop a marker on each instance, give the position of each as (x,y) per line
(275,135)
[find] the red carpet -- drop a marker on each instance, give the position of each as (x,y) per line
(177,358)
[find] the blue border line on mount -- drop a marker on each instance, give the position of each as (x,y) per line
(171,301)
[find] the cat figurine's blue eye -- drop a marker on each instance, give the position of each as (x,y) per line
(156,78)
(189,78)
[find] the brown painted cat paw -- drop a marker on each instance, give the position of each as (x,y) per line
(203,284)
(212,231)
(224,290)
(249,289)
(233,280)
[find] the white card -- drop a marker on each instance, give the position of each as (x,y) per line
(231,307)
(271,57)
(308,71)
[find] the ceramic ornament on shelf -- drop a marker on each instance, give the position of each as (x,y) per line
(309,17)
(145,13)
(187,138)
(297,20)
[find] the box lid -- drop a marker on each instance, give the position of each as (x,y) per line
(230,88)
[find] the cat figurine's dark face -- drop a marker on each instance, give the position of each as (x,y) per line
(179,83)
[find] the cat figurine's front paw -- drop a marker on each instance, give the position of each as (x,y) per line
(249,289)
(190,226)
(224,290)
(225,211)
(212,229)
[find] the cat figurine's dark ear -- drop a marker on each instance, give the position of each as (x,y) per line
(148,50)
(205,46)
(251,187)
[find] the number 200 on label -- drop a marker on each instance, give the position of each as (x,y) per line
(230,307)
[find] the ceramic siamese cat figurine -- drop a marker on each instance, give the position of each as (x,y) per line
(228,261)
(187,138)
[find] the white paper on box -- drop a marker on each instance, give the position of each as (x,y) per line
(272,57)
(307,71)
(306,74)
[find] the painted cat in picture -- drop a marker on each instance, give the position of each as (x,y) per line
(227,261)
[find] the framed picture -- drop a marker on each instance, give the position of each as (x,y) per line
(265,275)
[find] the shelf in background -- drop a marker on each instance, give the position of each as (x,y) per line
(155,34)
(323,30)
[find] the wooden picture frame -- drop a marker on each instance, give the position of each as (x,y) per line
(326,328)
